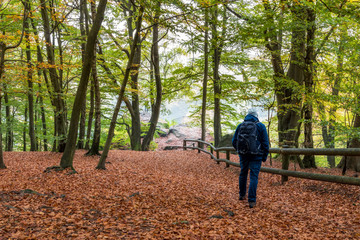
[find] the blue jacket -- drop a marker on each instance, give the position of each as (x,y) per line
(262,138)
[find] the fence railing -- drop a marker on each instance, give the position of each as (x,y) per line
(202,146)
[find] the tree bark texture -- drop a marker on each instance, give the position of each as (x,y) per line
(353,162)
(43,120)
(101,163)
(216,77)
(286,87)
(2,163)
(206,74)
(135,133)
(155,111)
(135,137)
(30,92)
(329,131)
(2,62)
(9,133)
(60,111)
(68,156)
(94,150)
(309,161)
(25,128)
(91,116)
(82,128)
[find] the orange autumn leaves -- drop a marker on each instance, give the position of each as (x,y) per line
(165,195)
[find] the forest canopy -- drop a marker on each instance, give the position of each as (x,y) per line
(81,74)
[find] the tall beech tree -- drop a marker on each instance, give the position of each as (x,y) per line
(155,62)
(60,111)
(309,161)
(101,163)
(68,156)
(94,150)
(30,94)
(130,10)
(287,84)
(2,163)
(217,43)
(206,75)
(84,30)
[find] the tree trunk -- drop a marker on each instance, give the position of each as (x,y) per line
(353,162)
(82,128)
(216,77)
(60,113)
(25,128)
(329,128)
(206,73)
(30,88)
(157,104)
(91,115)
(68,156)
(9,133)
(135,134)
(288,99)
(309,160)
(135,103)
(40,60)
(101,163)
(2,164)
(94,150)
(2,61)
(43,120)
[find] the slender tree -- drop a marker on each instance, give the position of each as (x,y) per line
(68,156)
(30,94)
(155,108)
(309,161)
(134,107)
(83,21)
(60,113)
(2,163)
(94,150)
(101,163)
(206,73)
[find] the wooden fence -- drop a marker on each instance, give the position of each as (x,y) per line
(202,146)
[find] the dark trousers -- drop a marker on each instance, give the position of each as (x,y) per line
(254,167)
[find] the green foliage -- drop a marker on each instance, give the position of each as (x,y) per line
(246,72)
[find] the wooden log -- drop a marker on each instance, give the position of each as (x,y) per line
(314,176)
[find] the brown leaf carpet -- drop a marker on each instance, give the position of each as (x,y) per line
(165,195)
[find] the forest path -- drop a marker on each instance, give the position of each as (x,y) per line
(165,195)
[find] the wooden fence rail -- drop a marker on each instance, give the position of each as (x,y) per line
(285,152)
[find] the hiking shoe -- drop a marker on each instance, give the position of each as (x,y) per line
(252,204)
(242,198)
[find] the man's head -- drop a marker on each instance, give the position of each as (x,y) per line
(252,111)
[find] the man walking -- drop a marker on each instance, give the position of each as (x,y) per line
(252,143)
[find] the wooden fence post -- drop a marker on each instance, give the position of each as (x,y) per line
(212,152)
(184,144)
(217,156)
(285,165)
(227,157)
(199,146)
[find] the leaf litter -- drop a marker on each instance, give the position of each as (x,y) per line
(165,195)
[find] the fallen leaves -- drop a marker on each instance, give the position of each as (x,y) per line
(165,195)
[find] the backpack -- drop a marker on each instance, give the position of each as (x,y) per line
(247,139)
